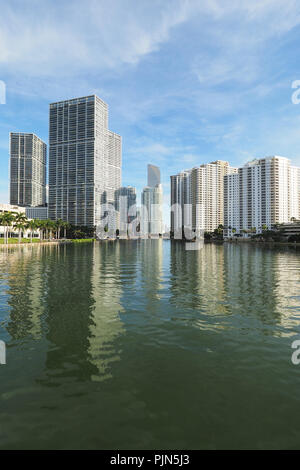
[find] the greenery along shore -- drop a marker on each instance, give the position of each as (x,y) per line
(39,230)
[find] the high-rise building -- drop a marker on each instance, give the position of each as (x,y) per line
(114,162)
(84,160)
(153,176)
(294,188)
(263,193)
(207,187)
(152,202)
(151,210)
(200,193)
(28,158)
(125,203)
(181,199)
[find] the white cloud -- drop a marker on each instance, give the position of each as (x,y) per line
(58,38)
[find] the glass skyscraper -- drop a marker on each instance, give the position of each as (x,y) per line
(28,158)
(84,160)
(152,202)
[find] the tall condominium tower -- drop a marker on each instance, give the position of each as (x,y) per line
(28,158)
(264,192)
(152,202)
(114,162)
(294,191)
(181,199)
(126,205)
(153,176)
(84,160)
(207,187)
(151,213)
(199,191)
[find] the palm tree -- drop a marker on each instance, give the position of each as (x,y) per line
(2,222)
(40,224)
(59,224)
(31,225)
(50,227)
(7,220)
(66,227)
(19,226)
(19,223)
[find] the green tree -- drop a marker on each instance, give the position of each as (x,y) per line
(31,225)
(7,221)
(20,223)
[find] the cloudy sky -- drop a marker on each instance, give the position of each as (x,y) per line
(187,81)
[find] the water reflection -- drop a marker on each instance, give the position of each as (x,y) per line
(69,295)
(236,280)
(153,346)
(105,325)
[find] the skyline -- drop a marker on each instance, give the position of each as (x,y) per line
(231,94)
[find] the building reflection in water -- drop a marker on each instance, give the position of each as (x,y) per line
(24,285)
(262,283)
(220,281)
(70,296)
(150,253)
(197,277)
(105,325)
(77,302)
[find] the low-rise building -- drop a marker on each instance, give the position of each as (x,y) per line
(40,213)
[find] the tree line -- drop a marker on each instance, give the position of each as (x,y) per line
(48,229)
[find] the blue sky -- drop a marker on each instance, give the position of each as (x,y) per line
(187,81)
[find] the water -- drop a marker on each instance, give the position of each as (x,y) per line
(144,345)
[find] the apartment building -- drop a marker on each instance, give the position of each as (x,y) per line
(263,193)
(202,190)
(28,158)
(152,203)
(114,163)
(125,203)
(84,160)
(181,200)
(151,210)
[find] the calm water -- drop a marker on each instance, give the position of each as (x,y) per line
(143,345)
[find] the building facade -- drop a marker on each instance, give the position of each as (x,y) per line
(151,214)
(125,203)
(28,159)
(207,187)
(151,210)
(153,175)
(200,193)
(181,200)
(40,213)
(263,193)
(11,231)
(84,160)
(114,162)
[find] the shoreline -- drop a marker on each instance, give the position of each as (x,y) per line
(264,243)
(93,240)
(52,242)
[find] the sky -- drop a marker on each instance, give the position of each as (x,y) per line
(187,81)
